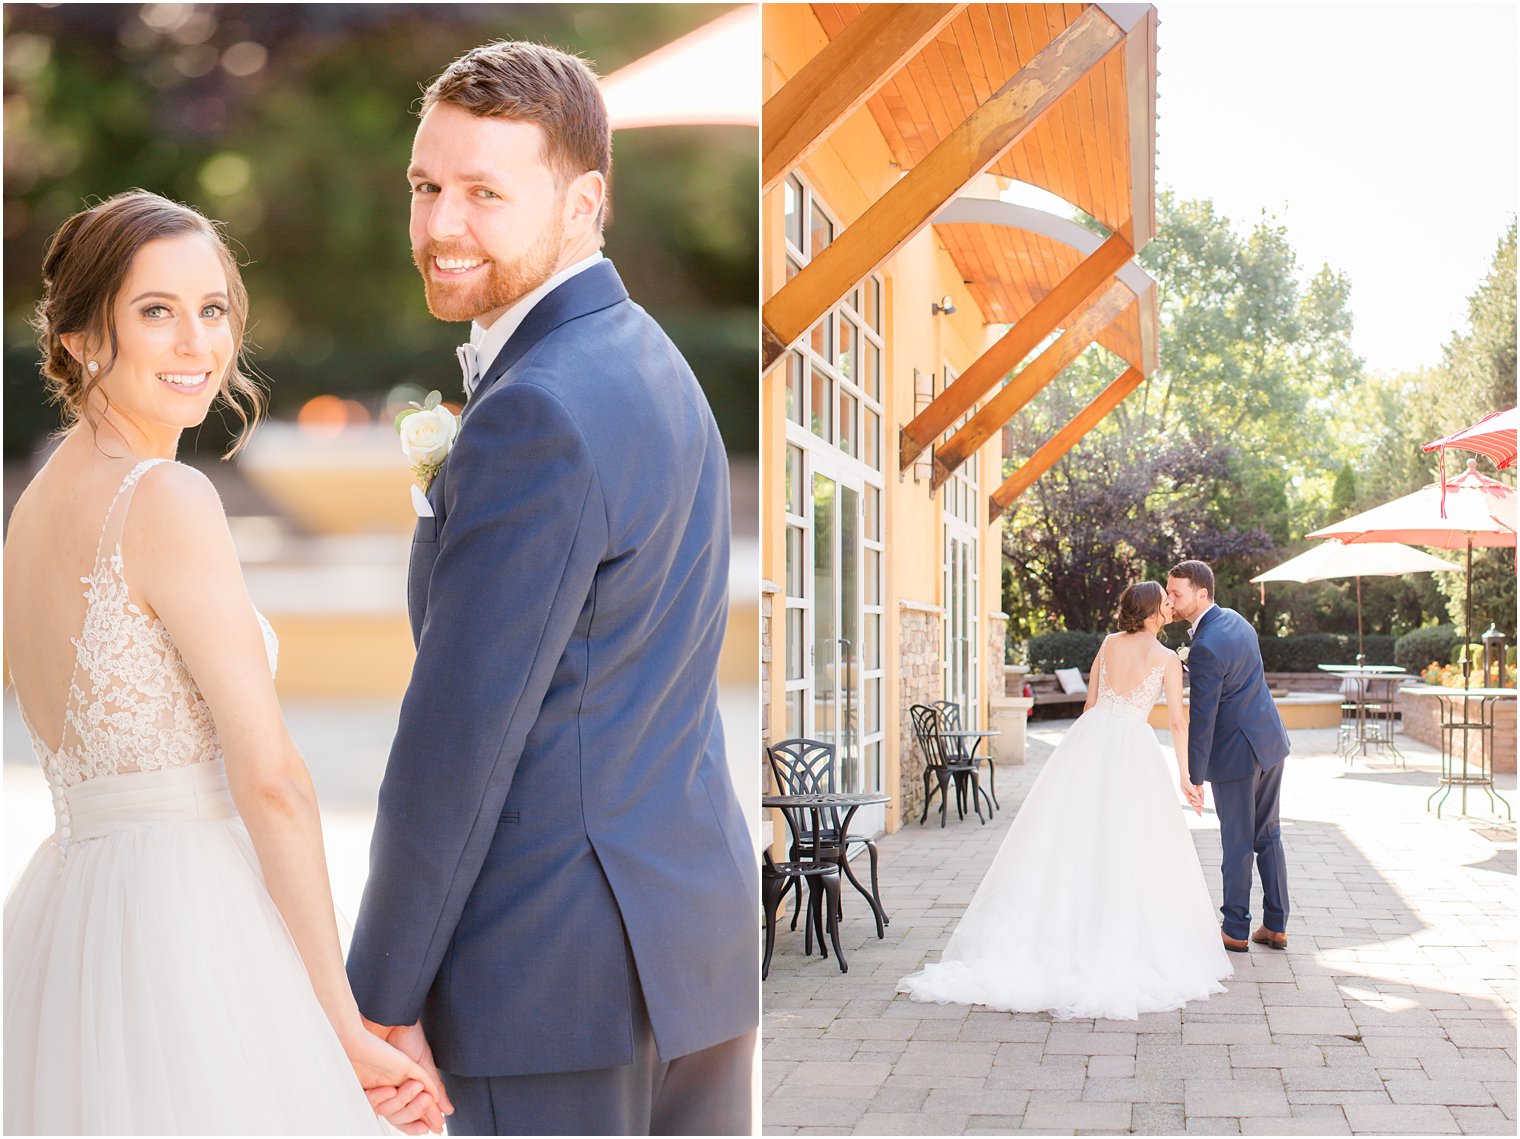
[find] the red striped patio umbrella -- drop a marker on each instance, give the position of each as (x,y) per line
(1493,435)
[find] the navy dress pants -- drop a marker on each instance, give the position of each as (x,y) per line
(1248,825)
(704,1093)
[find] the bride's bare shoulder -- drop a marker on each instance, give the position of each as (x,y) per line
(175,498)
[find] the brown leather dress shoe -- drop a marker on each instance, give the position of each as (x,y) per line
(1265,936)
(1234,945)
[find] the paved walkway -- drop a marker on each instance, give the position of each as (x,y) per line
(1393,1011)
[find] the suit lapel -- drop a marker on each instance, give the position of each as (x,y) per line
(588,291)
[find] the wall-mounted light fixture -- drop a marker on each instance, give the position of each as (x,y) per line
(945,307)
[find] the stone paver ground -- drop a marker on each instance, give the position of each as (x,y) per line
(1392,1011)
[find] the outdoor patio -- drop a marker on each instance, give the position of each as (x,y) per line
(1393,1010)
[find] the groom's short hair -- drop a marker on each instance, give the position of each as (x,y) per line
(1199,573)
(532,83)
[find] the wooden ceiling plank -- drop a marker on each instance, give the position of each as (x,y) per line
(1079,334)
(836,82)
(909,204)
(1062,442)
(1117,139)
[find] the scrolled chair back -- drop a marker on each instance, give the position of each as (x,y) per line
(802,767)
(928,722)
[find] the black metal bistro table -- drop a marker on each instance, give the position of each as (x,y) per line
(1364,675)
(819,869)
(1468,712)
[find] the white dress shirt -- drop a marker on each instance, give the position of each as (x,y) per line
(489,341)
(1193,628)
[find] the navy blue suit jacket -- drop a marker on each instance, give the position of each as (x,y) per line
(557,823)
(1232,722)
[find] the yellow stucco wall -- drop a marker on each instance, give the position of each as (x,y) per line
(851,170)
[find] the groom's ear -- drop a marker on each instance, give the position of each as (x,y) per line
(585,202)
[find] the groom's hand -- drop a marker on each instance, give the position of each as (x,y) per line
(411,1109)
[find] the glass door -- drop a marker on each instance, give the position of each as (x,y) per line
(836,652)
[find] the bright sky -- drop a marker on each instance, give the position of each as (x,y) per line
(1382,135)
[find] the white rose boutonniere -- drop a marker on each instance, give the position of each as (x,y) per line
(427,430)
(1182,653)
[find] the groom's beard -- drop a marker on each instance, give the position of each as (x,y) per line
(504,283)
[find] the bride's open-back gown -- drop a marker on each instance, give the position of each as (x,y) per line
(151,986)
(1095,904)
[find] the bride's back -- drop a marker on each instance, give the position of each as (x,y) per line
(1130,659)
(50,546)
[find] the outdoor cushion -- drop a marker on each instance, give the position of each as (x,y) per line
(1071,680)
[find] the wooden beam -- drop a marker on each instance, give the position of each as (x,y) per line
(1140,111)
(1062,441)
(1049,313)
(1002,407)
(837,81)
(959,157)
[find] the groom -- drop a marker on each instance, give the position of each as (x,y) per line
(562,883)
(1236,741)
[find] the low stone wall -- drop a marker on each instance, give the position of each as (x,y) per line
(1422,721)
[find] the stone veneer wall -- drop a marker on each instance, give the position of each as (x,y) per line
(997,636)
(919,682)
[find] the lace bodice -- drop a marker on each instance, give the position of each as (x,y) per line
(132,704)
(1137,704)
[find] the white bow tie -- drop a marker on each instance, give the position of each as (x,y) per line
(469,364)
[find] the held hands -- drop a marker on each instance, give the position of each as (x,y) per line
(410,1094)
(1193,793)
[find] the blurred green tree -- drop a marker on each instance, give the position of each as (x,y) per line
(292,123)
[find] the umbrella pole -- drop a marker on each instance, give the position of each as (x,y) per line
(1360,654)
(1467,629)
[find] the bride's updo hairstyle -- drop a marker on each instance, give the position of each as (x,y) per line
(1138,604)
(87,262)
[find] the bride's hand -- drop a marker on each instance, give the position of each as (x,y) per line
(380,1065)
(1192,793)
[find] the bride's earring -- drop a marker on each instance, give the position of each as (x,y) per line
(92,367)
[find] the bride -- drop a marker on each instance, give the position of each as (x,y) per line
(1095,904)
(172,962)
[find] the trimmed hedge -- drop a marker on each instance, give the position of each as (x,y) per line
(1416,650)
(1302,653)
(1305,652)
(1050,651)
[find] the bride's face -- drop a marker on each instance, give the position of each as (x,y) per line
(174,341)
(1167,613)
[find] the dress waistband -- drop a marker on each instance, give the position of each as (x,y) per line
(109,803)
(1128,711)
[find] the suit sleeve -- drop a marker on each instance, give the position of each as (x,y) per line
(523,535)
(1205,679)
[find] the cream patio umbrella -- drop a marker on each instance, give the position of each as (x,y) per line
(1470,510)
(1335,559)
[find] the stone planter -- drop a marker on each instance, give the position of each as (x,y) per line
(1009,715)
(1013,678)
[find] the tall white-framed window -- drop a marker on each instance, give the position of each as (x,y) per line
(961,661)
(834,498)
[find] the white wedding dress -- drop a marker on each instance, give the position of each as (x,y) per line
(151,986)
(1095,904)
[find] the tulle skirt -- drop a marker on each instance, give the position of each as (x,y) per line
(151,986)
(1095,904)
